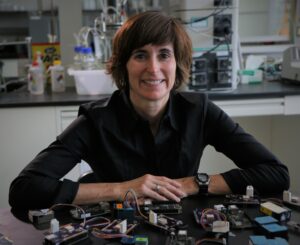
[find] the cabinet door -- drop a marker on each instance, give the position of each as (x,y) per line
(24,132)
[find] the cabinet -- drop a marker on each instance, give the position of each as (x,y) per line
(23,133)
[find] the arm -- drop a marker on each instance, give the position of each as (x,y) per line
(40,184)
(217,185)
(144,187)
(257,165)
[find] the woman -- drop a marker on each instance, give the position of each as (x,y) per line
(147,136)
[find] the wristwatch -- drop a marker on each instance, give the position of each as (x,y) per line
(202,179)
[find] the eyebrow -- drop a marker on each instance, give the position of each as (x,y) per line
(141,50)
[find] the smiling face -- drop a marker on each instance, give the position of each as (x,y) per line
(151,73)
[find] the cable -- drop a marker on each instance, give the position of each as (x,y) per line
(216,11)
(70,205)
(132,192)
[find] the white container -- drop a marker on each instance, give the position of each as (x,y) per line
(92,82)
(36,80)
(57,74)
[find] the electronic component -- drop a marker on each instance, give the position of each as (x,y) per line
(54,225)
(272,209)
(41,218)
(237,218)
(166,207)
(67,234)
(259,240)
(290,200)
(211,220)
(115,229)
(181,238)
(136,240)
(269,226)
(250,191)
(241,199)
(165,223)
(90,211)
(141,240)
(122,212)
(127,241)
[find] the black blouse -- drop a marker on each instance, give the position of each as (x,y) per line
(118,145)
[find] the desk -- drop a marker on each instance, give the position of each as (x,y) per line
(23,233)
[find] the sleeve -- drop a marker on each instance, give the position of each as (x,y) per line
(257,166)
(40,183)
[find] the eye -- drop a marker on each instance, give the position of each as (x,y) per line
(139,56)
(165,54)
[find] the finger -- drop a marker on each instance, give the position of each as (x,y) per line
(172,182)
(157,196)
(163,193)
(169,189)
(169,195)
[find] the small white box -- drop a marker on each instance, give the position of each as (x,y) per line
(92,82)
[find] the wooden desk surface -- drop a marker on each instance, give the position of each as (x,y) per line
(19,232)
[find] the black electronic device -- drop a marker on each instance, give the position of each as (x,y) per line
(241,200)
(238,218)
(93,210)
(167,223)
(180,238)
(165,207)
(41,218)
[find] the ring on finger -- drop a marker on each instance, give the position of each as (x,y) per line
(157,187)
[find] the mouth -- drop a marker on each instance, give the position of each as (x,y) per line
(153,82)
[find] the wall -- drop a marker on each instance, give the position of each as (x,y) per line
(281,134)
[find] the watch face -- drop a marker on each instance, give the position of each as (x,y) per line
(202,177)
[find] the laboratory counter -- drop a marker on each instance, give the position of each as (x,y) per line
(265,90)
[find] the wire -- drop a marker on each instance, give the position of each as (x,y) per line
(132,192)
(217,216)
(70,205)
(216,11)
(105,222)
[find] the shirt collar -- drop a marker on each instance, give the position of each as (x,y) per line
(134,118)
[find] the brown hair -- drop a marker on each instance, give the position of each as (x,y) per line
(151,27)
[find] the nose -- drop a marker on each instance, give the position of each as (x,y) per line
(153,65)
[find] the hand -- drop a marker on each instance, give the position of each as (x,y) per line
(155,187)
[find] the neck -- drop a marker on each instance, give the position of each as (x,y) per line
(152,111)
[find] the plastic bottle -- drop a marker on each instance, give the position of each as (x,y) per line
(57,74)
(39,60)
(77,58)
(36,79)
(88,59)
